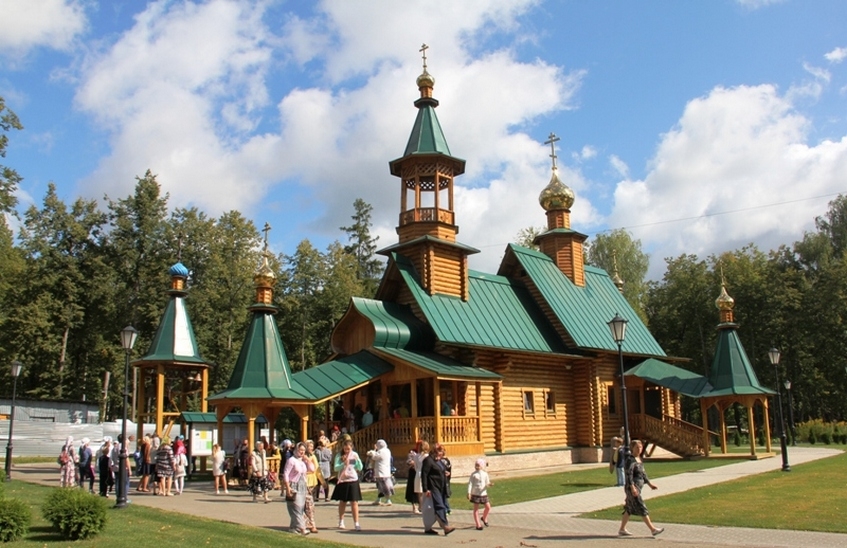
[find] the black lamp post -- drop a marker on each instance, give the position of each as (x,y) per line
(16,371)
(773,355)
(790,413)
(618,327)
(128,336)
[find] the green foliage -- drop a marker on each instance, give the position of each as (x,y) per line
(362,247)
(813,438)
(74,513)
(526,236)
(9,178)
(737,438)
(760,437)
(617,252)
(15,519)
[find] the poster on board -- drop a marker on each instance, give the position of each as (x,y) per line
(203,437)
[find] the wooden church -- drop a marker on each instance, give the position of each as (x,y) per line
(519,363)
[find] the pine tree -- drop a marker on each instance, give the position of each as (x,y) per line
(362,246)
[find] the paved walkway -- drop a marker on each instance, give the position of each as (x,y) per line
(541,523)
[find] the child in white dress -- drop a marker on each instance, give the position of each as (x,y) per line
(478,493)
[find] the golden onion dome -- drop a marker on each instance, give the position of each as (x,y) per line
(556,195)
(264,277)
(724,301)
(426,80)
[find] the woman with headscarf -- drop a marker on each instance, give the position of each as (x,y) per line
(67,463)
(294,487)
(381,456)
(258,483)
(636,477)
(86,465)
(434,486)
(324,456)
(313,484)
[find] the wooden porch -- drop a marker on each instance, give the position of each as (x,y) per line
(675,435)
(459,435)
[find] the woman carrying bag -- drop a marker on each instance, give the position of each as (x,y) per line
(294,487)
(259,483)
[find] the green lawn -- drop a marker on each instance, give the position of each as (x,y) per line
(522,489)
(812,497)
(142,527)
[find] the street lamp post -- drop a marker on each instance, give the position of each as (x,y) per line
(790,413)
(16,371)
(128,336)
(773,355)
(618,327)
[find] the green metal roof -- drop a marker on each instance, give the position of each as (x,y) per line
(262,370)
(338,376)
(732,372)
(427,137)
(174,340)
(398,247)
(442,366)
(670,376)
(395,325)
(196,417)
(499,313)
(585,311)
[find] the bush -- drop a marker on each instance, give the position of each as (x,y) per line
(74,513)
(15,518)
(737,438)
(825,438)
(813,439)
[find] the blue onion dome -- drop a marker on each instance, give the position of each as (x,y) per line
(178,269)
(556,195)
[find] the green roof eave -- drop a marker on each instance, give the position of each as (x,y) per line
(442,366)
(341,375)
(672,377)
(394,325)
(499,313)
(400,246)
(196,417)
(584,312)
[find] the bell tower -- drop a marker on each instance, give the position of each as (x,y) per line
(427,225)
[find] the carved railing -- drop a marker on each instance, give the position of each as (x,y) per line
(459,429)
(424,214)
(675,435)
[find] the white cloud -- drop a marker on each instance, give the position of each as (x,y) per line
(741,150)
(756,4)
(33,23)
(619,166)
(588,152)
(189,113)
(837,55)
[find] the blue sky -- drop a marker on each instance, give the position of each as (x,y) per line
(698,126)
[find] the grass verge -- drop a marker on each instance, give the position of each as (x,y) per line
(143,527)
(522,489)
(812,497)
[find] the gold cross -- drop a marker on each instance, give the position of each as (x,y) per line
(551,141)
(423,49)
(266,230)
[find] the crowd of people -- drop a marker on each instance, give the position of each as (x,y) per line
(303,473)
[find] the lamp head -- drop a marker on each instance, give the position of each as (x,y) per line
(128,336)
(787,384)
(617,325)
(16,368)
(773,356)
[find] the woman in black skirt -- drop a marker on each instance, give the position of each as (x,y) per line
(347,466)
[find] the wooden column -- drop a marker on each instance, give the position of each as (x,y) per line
(204,405)
(437,386)
(160,398)
(704,418)
(767,425)
(478,387)
(140,405)
(751,425)
(723,430)
(499,442)
(413,412)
